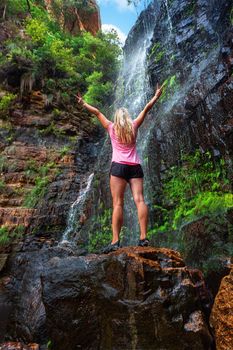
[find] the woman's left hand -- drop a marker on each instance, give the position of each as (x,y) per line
(159,90)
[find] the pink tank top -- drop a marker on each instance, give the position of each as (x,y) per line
(122,153)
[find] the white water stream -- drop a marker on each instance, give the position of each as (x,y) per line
(77,208)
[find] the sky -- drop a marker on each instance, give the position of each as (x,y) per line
(119,15)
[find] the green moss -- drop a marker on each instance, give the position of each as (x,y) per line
(8,235)
(2,186)
(3,164)
(37,193)
(4,235)
(52,129)
(189,10)
(231,16)
(65,150)
(154,49)
(103,233)
(5,103)
(198,187)
(171,85)
(18,232)
(156,52)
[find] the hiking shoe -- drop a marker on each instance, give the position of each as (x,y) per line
(111,248)
(143,242)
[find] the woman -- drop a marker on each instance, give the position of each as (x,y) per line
(125,167)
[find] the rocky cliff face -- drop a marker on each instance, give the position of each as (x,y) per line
(74,19)
(43,165)
(191,46)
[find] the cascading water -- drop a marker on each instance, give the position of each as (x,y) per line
(77,208)
(136,91)
(168,16)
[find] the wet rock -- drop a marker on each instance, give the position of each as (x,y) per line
(29,120)
(221,315)
(135,298)
(206,245)
(22,313)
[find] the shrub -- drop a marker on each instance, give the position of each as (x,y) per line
(52,129)
(5,103)
(64,62)
(103,233)
(17,232)
(4,235)
(64,150)
(38,192)
(37,30)
(97,91)
(2,186)
(3,164)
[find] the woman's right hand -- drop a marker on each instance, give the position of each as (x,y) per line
(79,98)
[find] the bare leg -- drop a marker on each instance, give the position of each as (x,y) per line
(136,186)
(117,186)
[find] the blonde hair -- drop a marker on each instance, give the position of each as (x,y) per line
(123,126)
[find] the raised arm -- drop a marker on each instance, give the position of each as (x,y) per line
(140,118)
(103,120)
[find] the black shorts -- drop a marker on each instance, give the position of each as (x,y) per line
(126,171)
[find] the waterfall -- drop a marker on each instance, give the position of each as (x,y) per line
(168,16)
(136,89)
(76,208)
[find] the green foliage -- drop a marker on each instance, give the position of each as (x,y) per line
(198,187)
(157,52)
(102,235)
(18,232)
(32,169)
(16,7)
(52,129)
(45,168)
(5,103)
(37,30)
(3,164)
(97,90)
(231,16)
(49,345)
(38,192)
(7,235)
(65,150)
(2,186)
(4,235)
(171,85)
(65,63)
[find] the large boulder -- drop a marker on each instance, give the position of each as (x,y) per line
(222,314)
(135,298)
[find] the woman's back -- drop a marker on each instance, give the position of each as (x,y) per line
(121,152)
